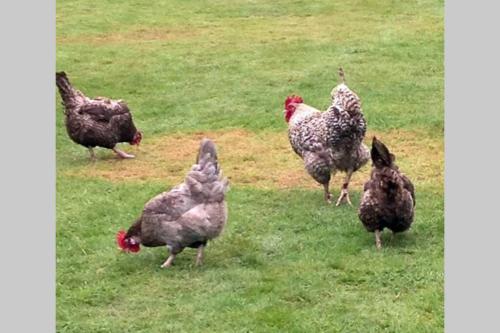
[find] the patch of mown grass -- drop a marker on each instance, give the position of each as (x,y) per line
(286,261)
(207,70)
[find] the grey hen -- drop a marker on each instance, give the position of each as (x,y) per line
(189,215)
(388,199)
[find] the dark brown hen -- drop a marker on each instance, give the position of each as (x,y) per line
(189,215)
(388,199)
(99,122)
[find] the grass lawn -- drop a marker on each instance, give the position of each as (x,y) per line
(286,262)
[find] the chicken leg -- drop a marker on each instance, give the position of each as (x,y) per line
(344,193)
(328,195)
(92,154)
(169,261)
(199,255)
(378,242)
(122,154)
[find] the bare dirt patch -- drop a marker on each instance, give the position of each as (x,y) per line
(262,160)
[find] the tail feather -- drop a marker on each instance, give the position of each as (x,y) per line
(206,178)
(207,153)
(69,95)
(380,154)
(343,97)
(383,160)
(65,88)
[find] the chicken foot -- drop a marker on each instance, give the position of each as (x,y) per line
(344,193)
(169,261)
(122,154)
(199,255)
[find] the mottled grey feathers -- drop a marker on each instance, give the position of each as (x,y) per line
(192,212)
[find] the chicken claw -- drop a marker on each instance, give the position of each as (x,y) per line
(168,262)
(122,154)
(344,195)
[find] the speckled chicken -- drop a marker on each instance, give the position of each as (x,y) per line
(99,122)
(189,215)
(329,141)
(388,199)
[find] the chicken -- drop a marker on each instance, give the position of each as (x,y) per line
(189,215)
(99,122)
(388,199)
(329,141)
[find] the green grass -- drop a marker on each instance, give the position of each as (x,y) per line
(286,262)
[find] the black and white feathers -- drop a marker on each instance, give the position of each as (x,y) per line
(331,140)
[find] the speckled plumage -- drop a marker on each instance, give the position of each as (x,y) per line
(331,140)
(190,214)
(99,122)
(388,198)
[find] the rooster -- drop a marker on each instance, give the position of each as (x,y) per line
(388,199)
(329,141)
(96,122)
(190,215)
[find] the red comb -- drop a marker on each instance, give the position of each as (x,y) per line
(293,99)
(120,239)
